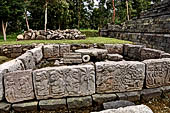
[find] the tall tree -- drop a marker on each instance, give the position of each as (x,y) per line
(9,11)
(114,12)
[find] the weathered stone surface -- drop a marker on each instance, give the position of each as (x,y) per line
(129,109)
(72,58)
(117,104)
(114,48)
(148,94)
(101,98)
(51,51)
(64,49)
(86,58)
(57,82)
(114,57)
(25,106)
(10,66)
(79,102)
(28,60)
(147,53)
(20,37)
(122,96)
(18,86)
(5,107)
(165,55)
(133,51)
(119,76)
(40,37)
(58,105)
(133,96)
(99,54)
(37,54)
(157,72)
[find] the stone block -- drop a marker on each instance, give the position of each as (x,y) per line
(147,53)
(58,105)
(17,49)
(5,107)
(25,106)
(129,109)
(28,60)
(122,96)
(79,102)
(157,72)
(114,57)
(101,98)
(117,104)
(72,58)
(37,54)
(57,82)
(120,76)
(114,48)
(97,54)
(51,51)
(18,86)
(165,55)
(148,94)
(133,96)
(64,49)
(10,66)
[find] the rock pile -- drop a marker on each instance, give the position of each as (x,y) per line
(72,34)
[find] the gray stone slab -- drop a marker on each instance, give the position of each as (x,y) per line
(37,54)
(129,109)
(157,72)
(10,66)
(72,58)
(120,76)
(148,94)
(53,104)
(28,60)
(57,82)
(117,104)
(18,86)
(5,107)
(101,98)
(114,48)
(147,53)
(165,55)
(64,49)
(25,106)
(51,51)
(133,96)
(114,57)
(79,102)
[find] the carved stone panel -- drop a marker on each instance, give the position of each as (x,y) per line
(64,49)
(57,82)
(28,60)
(10,66)
(157,72)
(119,76)
(18,86)
(37,54)
(51,51)
(72,58)
(114,48)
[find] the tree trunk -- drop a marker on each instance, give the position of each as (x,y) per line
(113,11)
(4,27)
(45,25)
(127,9)
(79,9)
(26,19)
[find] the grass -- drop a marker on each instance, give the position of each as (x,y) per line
(4,59)
(11,40)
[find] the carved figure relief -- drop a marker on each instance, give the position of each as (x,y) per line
(157,72)
(64,81)
(119,76)
(18,86)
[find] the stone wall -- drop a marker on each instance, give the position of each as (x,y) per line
(82,87)
(152,28)
(72,34)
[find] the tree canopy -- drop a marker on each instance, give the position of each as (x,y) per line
(63,14)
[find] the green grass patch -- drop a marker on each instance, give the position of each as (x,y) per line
(89,40)
(90,32)
(4,59)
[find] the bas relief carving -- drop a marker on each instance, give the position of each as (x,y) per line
(64,81)
(119,76)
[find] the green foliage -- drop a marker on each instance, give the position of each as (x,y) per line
(90,33)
